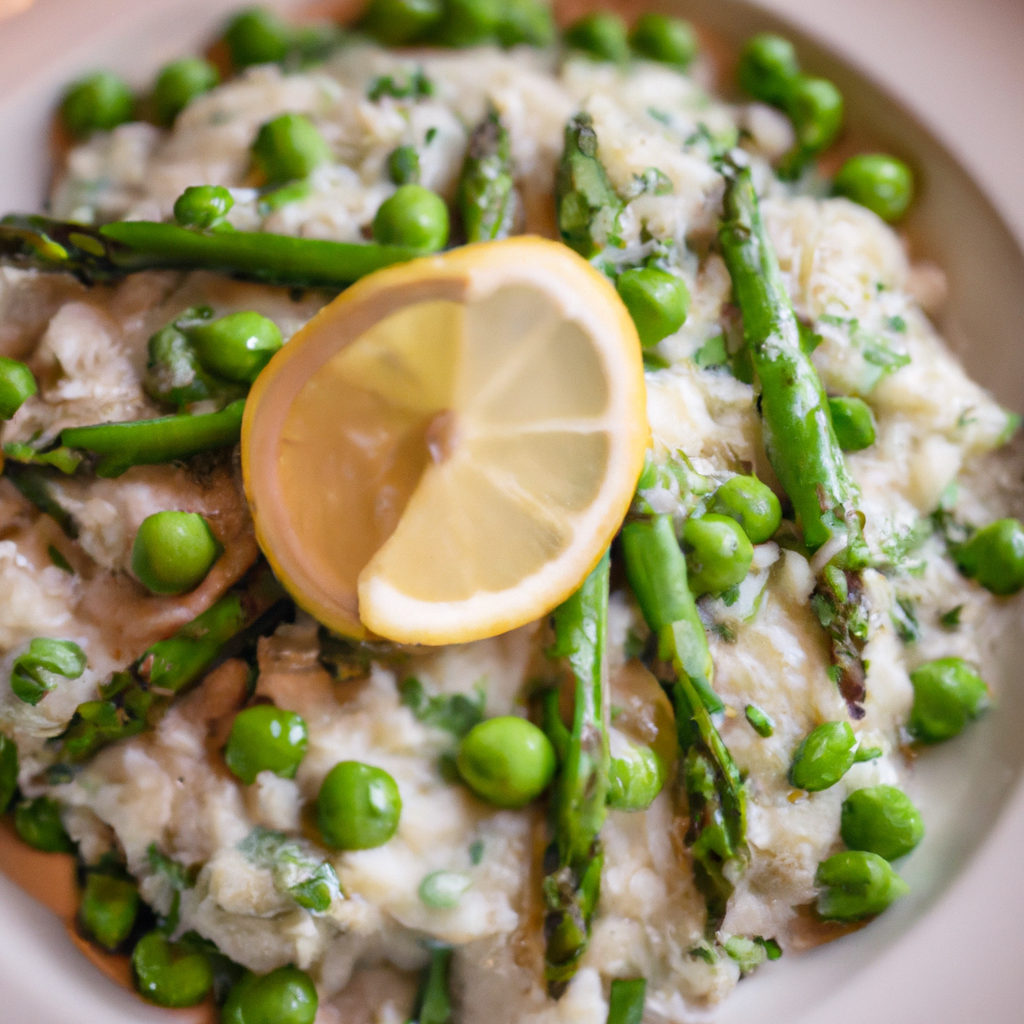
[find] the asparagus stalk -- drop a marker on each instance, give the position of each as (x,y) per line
(579,804)
(434,1003)
(486,195)
(626,1001)
(798,432)
(656,570)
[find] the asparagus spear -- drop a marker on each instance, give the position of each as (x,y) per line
(126,247)
(656,570)
(434,1003)
(579,804)
(798,432)
(626,1001)
(486,196)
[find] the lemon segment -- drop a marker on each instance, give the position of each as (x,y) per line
(447,449)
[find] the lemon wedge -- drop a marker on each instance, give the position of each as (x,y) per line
(445,451)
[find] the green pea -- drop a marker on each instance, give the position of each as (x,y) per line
(415,217)
(289,147)
(8,771)
(815,106)
(718,553)
(948,694)
(506,761)
(443,890)
(467,22)
(257,36)
(882,820)
(857,885)
(178,84)
(203,206)
(313,44)
(108,909)
(752,504)
(854,423)
(41,668)
(669,40)
(768,68)
(38,823)
(16,384)
(358,807)
(881,183)
(404,166)
(396,22)
(173,552)
(760,721)
(172,974)
(825,756)
(601,35)
(994,556)
(97,103)
(657,301)
(236,346)
(635,777)
(528,22)
(285,996)
(265,738)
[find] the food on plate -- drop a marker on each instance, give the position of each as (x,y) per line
(488,529)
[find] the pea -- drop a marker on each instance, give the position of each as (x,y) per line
(443,890)
(264,738)
(882,820)
(994,556)
(396,22)
(657,301)
(467,22)
(171,973)
(856,885)
(178,84)
(948,694)
(853,422)
(718,553)
(601,35)
(257,36)
(358,806)
(824,757)
(881,183)
(527,22)
(506,761)
(203,206)
(108,909)
(173,552)
(752,504)
(415,217)
(289,147)
(236,346)
(97,103)
(285,996)
(16,384)
(41,668)
(815,106)
(8,771)
(768,68)
(669,40)
(38,823)
(404,166)
(635,777)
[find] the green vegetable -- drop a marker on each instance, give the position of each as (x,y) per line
(853,423)
(173,552)
(178,84)
(759,721)
(467,23)
(257,36)
(173,974)
(635,777)
(856,885)
(97,103)
(752,504)
(904,619)
(994,556)
(8,771)
(16,384)
(657,301)
(108,909)
(203,206)
(443,890)
(237,346)
(948,694)
(768,68)
(397,22)
(718,553)
(815,106)
(413,217)
(434,1001)
(289,147)
(456,714)
(506,761)
(824,757)
(601,35)
(404,166)
(415,87)
(41,668)
(358,807)
(882,183)
(669,40)
(297,869)
(284,996)
(265,738)
(526,21)
(881,820)
(486,196)
(626,1001)
(38,823)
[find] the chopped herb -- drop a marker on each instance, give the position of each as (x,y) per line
(443,890)
(771,947)
(178,877)
(725,632)
(760,722)
(659,115)
(652,182)
(951,620)
(456,714)
(59,560)
(863,754)
(404,166)
(297,872)
(908,629)
(416,87)
(476,852)
(653,361)
(731,596)
(276,198)
(430,136)
(897,324)
(712,353)
(747,953)
(704,951)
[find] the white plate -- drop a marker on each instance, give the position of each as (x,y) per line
(949,954)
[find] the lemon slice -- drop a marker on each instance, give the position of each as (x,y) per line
(444,452)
